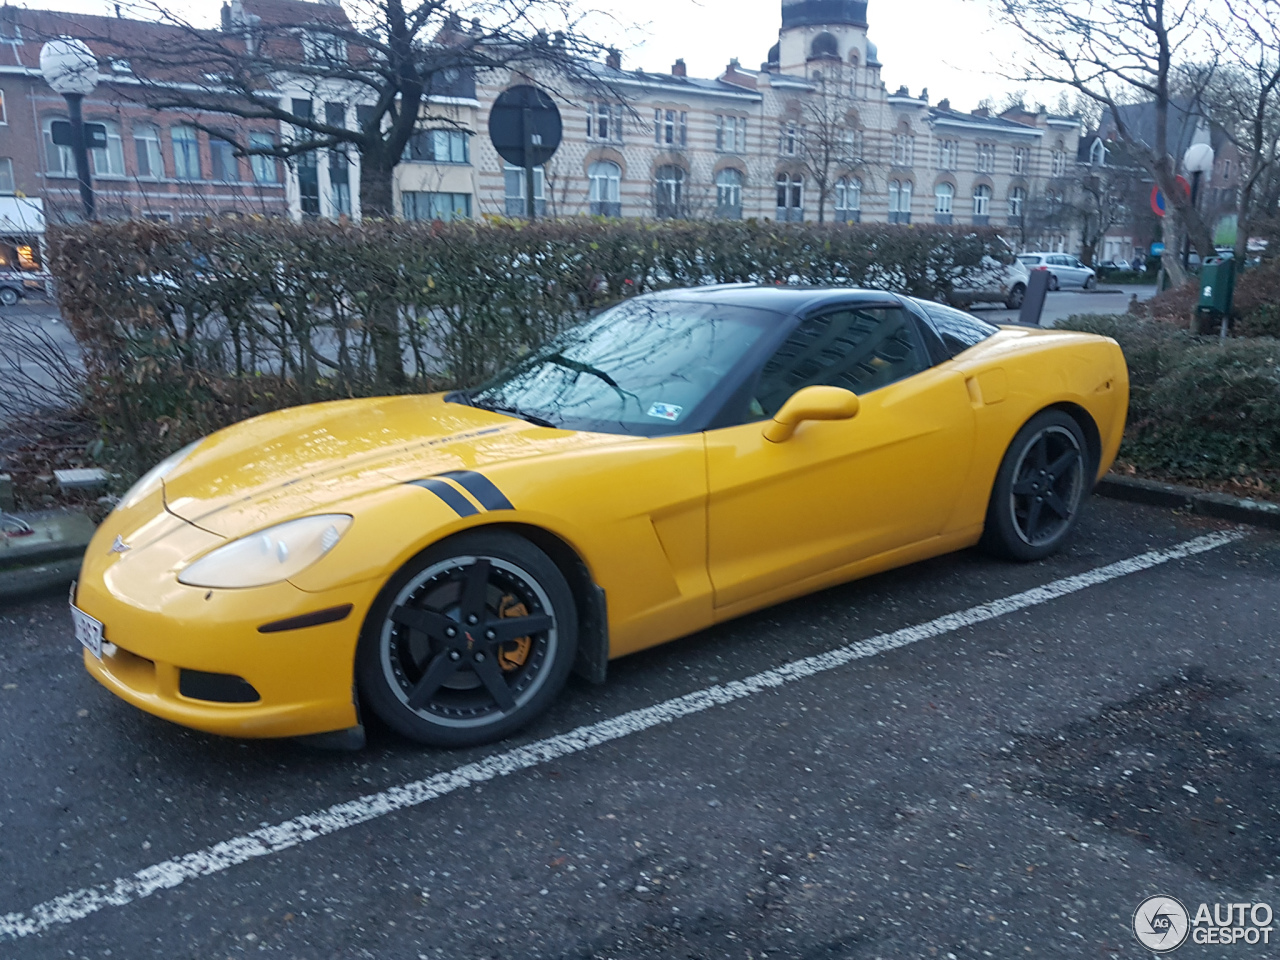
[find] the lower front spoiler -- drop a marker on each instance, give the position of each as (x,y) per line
(153,686)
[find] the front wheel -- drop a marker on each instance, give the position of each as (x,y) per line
(8,296)
(469,641)
(1090,282)
(1039,489)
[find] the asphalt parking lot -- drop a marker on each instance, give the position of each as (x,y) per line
(1004,784)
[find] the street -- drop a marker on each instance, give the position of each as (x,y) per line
(1010,782)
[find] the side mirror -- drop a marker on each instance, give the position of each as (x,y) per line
(811,403)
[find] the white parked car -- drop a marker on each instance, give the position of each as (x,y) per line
(996,283)
(1064,270)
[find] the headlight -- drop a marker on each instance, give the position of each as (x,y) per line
(270,555)
(147,484)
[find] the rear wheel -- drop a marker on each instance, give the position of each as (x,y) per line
(1016,296)
(469,641)
(8,296)
(1039,489)
(1053,281)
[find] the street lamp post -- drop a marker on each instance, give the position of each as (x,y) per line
(1198,160)
(71,69)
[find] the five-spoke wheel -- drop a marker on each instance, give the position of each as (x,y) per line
(1039,489)
(469,641)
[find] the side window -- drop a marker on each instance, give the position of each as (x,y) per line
(857,348)
(959,330)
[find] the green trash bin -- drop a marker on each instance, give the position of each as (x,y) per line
(1217,286)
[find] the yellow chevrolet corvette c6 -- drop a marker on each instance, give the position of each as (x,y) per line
(446,561)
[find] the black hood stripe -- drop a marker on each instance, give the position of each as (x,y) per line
(456,501)
(480,487)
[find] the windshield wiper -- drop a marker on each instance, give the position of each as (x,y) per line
(514,411)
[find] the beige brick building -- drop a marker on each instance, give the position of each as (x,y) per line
(812,134)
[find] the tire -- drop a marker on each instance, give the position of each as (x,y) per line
(1090,282)
(8,296)
(431,679)
(1040,489)
(1053,281)
(1016,296)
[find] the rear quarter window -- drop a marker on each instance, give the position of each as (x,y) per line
(958,330)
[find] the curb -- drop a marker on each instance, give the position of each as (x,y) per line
(22,583)
(1220,506)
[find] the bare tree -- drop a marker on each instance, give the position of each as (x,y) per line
(829,144)
(1119,53)
(1109,194)
(1246,99)
(387,57)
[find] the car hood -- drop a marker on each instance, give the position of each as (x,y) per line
(299,461)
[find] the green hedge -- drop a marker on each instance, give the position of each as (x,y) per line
(186,328)
(1200,408)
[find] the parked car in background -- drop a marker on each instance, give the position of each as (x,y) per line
(996,282)
(1113,266)
(1064,270)
(16,285)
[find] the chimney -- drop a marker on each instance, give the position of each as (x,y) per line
(982,112)
(678,69)
(226,17)
(944,104)
(614,60)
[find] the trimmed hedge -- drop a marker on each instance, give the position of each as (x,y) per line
(1200,408)
(187,328)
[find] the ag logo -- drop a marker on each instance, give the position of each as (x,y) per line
(1161,924)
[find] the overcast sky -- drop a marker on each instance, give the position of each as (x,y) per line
(950,46)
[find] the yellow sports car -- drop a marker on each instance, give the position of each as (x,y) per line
(684,458)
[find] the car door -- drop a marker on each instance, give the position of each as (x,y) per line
(837,491)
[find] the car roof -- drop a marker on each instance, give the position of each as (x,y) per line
(782,299)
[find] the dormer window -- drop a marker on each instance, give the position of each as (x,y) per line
(1098,154)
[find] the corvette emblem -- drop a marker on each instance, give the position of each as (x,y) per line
(119,546)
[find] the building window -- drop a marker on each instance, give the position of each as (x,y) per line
(319,46)
(513,182)
(1017,197)
(1021,160)
(146,149)
(731,134)
(904,150)
(729,194)
(981,204)
(4,115)
(670,127)
(439,146)
(943,197)
(6,175)
(263,167)
(899,201)
(186,152)
(668,192)
(986,161)
(604,122)
(790,197)
(948,154)
(59,159)
(605,179)
(851,145)
(417,205)
(335,115)
(1058,162)
(308,185)
(223,165)
(1226,164)
(108,161)
(849,199)
(1098,154)
(791,140)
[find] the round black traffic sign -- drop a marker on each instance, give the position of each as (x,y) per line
(511,112)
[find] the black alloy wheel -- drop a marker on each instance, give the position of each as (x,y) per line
(469,641)
(1040,488)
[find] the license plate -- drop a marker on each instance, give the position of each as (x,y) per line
(88,631)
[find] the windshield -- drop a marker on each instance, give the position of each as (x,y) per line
(644,367)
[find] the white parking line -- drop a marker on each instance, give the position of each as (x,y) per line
(260,843)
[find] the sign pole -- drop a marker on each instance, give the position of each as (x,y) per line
(530,203)
(80,151)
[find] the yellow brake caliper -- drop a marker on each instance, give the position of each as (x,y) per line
(512,655)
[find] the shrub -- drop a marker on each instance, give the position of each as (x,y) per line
(186,328)
(1199,407)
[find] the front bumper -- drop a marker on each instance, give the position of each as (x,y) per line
(156,628)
